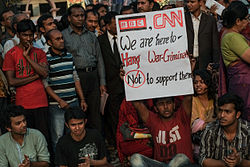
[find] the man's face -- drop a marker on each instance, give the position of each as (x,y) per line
(165,107)
(26,38)
(91,22)
(18,125)
(77,18)
(112,27)
(193,5)
(102,11)
(7,17)
(76,126)
(48,24)
(144,6)
(227,114)
(56,40)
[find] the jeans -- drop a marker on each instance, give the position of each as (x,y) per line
(56,116)
(180,160)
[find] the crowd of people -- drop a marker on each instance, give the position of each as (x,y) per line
(55,73)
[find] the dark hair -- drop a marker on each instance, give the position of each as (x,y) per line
(91,11)
(155,100)
(74,113)
(231,98)
(235,10)
(74,6)
(98,6)
(92,5)
(26,25)
(63,23)
(109,16)
(125,8)
(156,6)
(207,78)
(12,111)
(3,12)
(43,18)
(15,21)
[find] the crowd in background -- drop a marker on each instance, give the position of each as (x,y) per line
(54,74)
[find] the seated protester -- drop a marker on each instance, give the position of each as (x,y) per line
(228,137)
(170,130)
(81,146)
(131,135)
(21,146)
(203,106)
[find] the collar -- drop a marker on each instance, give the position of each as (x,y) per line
(24,137)
(198,18)
(110,36)
(72,31)
(238,133)
(54,54)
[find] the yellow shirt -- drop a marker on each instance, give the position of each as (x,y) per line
(201,112)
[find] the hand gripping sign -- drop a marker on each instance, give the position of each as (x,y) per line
(153,48)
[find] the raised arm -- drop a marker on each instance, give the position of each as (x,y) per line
(142,110)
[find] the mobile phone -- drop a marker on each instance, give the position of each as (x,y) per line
(229,152)
(81,160)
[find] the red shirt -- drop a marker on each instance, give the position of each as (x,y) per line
(31,95)
(170,137)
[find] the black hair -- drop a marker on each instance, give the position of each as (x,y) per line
(26,25)
(3,12)
(91,11)
(236,10)
(125,8)
(14,21)
(12,111)
(156,6)
(207,78)
(63,23)
(98,6)
(231,98)
(109,16)
(74,113)
(69,11)
(155,100)
(43,18)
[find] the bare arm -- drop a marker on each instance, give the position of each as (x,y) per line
(245,163)
(13,81)
(100,162)
(80,94)
(246,56)
(40,69)
(213,163)
(62,103)
(142,110)
(39,164)
(187,103)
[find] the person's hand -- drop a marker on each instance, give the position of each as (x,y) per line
(213,9)
(84,105)
(86,163)
(103,89)
(26,51)
(210,67)
(26,162)
(122,72)
(192,60)
(233,159)
(63,104)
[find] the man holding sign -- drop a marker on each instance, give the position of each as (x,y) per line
(170,130)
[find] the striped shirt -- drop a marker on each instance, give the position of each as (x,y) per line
(62,77)
(215,145)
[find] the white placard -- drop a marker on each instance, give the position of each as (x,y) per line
(219,9)
(153,49)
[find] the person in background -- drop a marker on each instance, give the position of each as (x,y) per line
(5,19)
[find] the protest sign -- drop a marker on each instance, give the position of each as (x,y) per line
(153,48)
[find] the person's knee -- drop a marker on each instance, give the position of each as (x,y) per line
(179,160)
(136,160)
